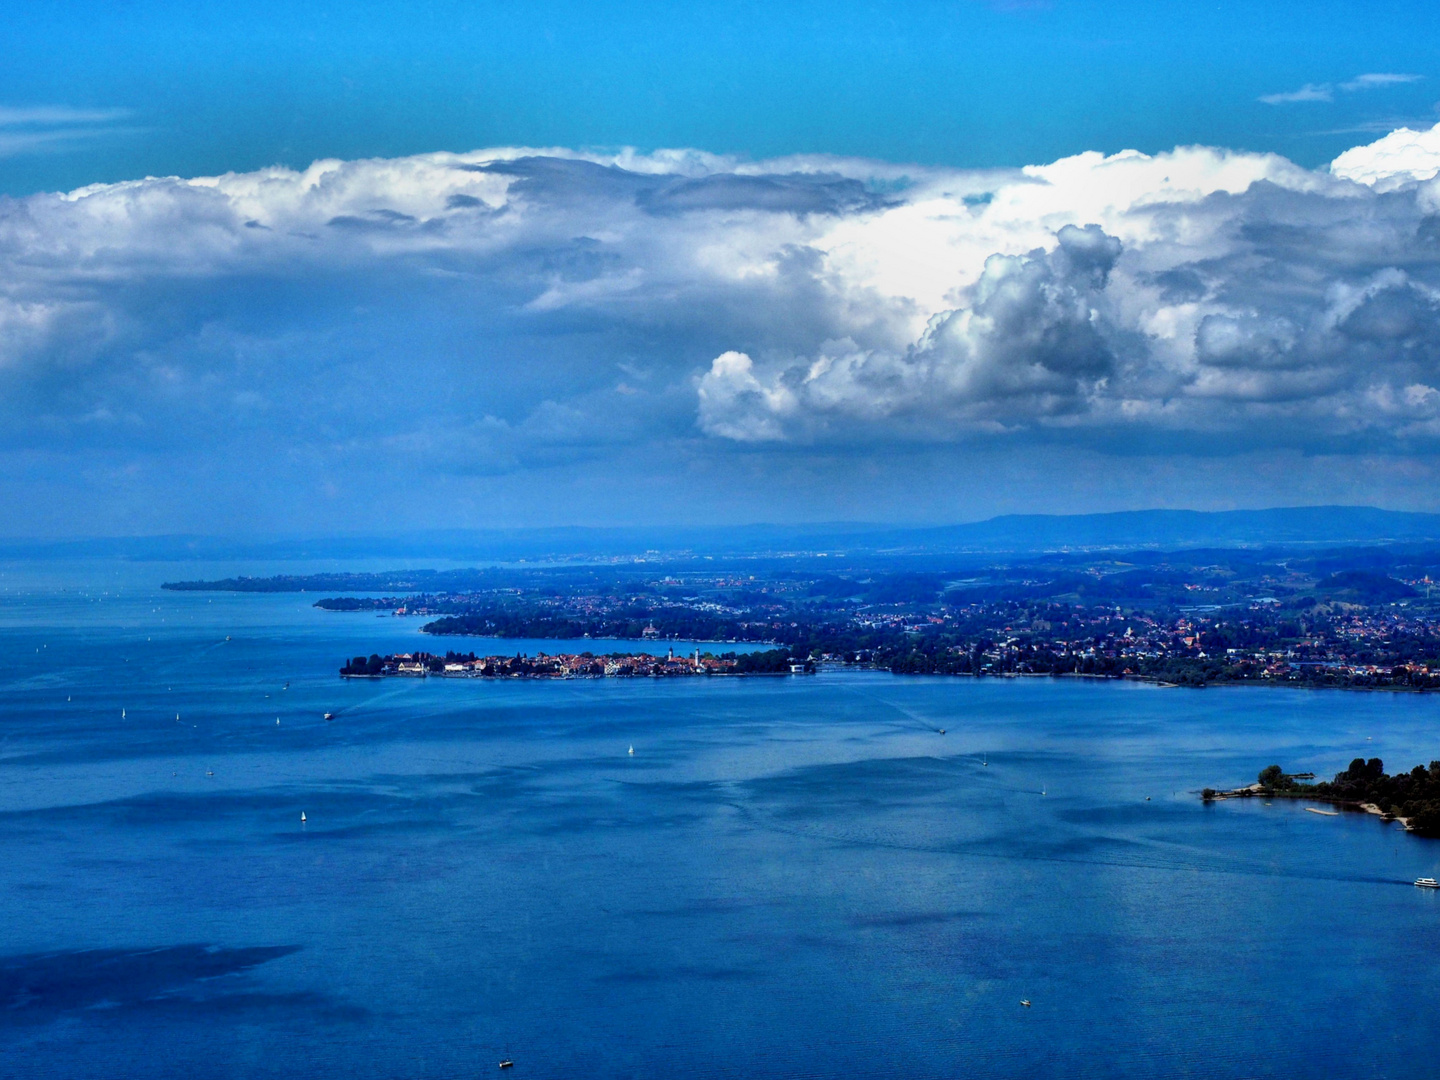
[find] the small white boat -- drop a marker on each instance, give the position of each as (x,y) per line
(631,751)
(329,716)
(507,1064)
(1427,883)
(302,817)
(1025,1002)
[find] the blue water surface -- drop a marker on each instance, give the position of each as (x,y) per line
(790,876)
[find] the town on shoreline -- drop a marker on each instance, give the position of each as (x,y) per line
(584,665)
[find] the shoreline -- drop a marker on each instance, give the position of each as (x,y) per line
(1254,791)
(556,677)
(837,666)
(638,641)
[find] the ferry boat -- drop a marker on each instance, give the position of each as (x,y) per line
(1427,883)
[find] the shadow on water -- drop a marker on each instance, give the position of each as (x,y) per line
(38,988)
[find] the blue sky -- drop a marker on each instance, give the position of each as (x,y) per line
(211,88)
(914,263)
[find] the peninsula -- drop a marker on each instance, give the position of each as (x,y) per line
(1351,618)
(1411,798)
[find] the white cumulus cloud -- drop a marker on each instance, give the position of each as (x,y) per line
(1225,296)
(1400,158)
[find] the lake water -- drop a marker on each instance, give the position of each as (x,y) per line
(790,877)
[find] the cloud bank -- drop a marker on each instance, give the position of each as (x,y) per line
(511,311)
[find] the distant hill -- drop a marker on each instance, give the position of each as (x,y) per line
(1363,587)
(1020,533)
(1173,528)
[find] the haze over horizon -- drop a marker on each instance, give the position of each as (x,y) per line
(893,279)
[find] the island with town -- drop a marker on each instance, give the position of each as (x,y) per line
(585,665)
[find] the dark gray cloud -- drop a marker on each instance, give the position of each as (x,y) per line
(794,194)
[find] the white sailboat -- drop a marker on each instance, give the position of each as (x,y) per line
(302,817)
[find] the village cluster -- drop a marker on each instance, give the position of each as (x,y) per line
(558,666)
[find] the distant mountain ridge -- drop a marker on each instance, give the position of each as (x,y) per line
(1163,528)
(1019,533)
